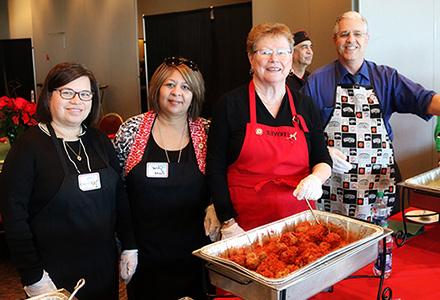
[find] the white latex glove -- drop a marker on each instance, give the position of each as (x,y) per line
(128,264)
(212,224)
(231,231)
(45,285)
(309,188)
(340,164)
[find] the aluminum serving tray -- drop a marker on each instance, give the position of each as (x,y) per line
(428,181)
(361,231)
(301,287)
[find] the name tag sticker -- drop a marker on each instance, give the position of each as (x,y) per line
(89,181)
(157,169)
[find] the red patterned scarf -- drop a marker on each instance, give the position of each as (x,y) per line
(199,137)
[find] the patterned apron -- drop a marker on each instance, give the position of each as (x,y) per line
(358,130)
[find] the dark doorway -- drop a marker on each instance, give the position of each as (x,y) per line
(215,38)
(17,68)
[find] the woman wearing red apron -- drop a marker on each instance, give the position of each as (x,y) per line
(265,141)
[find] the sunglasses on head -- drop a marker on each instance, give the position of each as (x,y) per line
(177,61)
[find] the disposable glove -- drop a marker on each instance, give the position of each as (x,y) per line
(309,188)
(340,165)
(45,285)
(212,224)
(128,264)
(231,231)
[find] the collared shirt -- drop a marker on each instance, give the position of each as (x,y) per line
(295,83)
(396,93)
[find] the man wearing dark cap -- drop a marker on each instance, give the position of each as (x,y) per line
(301,58)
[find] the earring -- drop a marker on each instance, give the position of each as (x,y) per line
(251,72)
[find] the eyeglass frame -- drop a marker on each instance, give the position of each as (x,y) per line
(60,90)
(274,51)
(173,61)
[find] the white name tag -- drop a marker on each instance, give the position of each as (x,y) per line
(157,169)
(89,181)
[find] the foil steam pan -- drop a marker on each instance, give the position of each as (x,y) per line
(360,231)
(428,181)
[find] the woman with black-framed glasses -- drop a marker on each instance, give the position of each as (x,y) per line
(163,154)
(63,200)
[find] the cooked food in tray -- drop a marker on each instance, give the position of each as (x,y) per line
(297,246)
(279,255)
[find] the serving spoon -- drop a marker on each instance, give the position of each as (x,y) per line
(313,214)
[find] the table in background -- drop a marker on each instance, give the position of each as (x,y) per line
(415,272)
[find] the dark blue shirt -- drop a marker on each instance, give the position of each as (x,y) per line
(395,92)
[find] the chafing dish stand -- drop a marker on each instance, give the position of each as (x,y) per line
(412,184)
(323,276)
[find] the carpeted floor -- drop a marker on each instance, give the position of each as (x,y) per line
(10,286)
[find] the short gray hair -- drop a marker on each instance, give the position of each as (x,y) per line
(350,15)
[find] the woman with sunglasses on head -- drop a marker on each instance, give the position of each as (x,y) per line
(163,154)
(63,198)
(266,148)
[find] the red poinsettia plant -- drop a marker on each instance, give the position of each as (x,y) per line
(16,115)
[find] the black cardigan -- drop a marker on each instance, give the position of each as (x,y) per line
(31,175)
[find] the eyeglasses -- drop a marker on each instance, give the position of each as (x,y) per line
(68,94)
(345,34)
(283,52)
(177,61)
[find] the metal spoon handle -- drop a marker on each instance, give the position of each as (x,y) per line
(311,210)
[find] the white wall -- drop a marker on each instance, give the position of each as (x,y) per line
(405,34)
(101,34)
(20,16)
(317,17)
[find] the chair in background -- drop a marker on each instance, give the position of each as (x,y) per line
(109,124)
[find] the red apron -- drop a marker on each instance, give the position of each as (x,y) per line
(272,161)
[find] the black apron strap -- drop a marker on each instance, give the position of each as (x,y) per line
(99,147)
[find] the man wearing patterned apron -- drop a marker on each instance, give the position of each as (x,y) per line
(356,128)
(356,98)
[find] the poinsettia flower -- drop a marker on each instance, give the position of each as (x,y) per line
(3,101)
(20,103)
(16,119)
(6,102)
(29,119)
(16,115)
(25,118)
(30,108)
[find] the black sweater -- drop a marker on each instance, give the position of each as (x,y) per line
(31,176)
